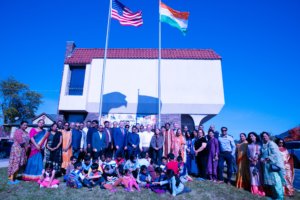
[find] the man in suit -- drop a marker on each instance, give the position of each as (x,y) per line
(99,143)
(89,136)
(109,137)
(119,139)
(76,140)
(133,142)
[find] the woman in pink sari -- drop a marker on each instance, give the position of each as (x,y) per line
(34,166)
(289,168)
(254,155)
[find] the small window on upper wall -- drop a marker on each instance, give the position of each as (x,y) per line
(75,117)
(77,80)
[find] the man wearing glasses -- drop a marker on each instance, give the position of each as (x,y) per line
(227,150)
(76,140)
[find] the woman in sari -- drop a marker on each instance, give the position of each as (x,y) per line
(254,153)
(53,149)
(242,176)
(289,168)
(178,144)
(190,154)
(273,178)
(18,158)
(194,167)
(66,146)
(34,166)
(213,156)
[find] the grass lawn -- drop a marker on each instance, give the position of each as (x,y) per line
(200,190)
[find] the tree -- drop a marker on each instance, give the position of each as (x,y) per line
(17,100)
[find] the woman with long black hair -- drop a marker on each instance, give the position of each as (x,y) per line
(54,149)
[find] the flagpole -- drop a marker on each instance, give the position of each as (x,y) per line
(104,59)
(159,62)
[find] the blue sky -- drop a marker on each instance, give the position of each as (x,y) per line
(258,41)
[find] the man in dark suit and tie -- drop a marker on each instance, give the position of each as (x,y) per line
(109,137)
(119,139)
(99,143)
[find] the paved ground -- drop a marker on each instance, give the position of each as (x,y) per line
(3,163)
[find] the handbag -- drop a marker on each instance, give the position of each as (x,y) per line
(274,168)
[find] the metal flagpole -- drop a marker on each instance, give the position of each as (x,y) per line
(159,62)
(104,60)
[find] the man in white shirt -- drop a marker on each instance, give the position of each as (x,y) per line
(82,142)
(145,139)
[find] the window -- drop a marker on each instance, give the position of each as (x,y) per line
(75,117)
(77,80)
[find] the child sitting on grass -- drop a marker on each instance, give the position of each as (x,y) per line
(151,170)
(70,167)
(172,164)
(143,160)
(144,178)
(86,164)
(120,160)
(99,166)
(129,181)
(112,165)
(95,176)
(47,178)
(102,160)
(157,188)
(183,174)
(77,179)
(112,179)
(164,162)
(133,165)
(174,183)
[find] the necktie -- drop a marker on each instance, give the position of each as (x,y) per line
(109,139)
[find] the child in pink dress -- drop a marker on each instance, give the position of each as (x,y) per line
(129,181)
(47,178)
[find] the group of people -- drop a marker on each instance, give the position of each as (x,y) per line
(89,154)
(264,167)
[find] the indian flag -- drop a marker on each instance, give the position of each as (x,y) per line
(173,17)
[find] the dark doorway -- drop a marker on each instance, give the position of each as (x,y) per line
(187,120)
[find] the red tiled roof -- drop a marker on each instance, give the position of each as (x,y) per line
(84,55)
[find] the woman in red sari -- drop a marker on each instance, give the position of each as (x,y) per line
(289,168)
(34,166)
(18,158)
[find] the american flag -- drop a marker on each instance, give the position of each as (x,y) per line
(125,16)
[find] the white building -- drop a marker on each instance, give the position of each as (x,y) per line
(191,83)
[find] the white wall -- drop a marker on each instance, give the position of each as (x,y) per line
(191,86)
(187,86)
